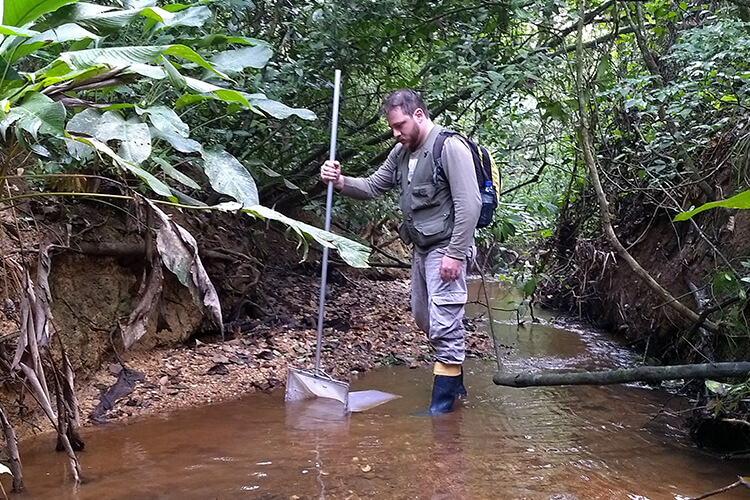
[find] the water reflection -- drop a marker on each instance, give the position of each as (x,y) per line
(535,443)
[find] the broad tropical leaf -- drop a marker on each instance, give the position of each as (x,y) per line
(235,61)
(125,56)
(177,141)
(133,136)
(106,19)
(277,109)
(252,101)
(165,119)
(176,174)
(355,254)
(155,184)
(64,33)
(741,200)
(17,31)
(20,12)
(228,176)
(192,16)
(37,114)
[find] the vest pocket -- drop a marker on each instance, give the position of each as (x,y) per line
(429,232)
(424,196)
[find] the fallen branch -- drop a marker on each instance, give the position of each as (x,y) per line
(740,482)
(624,375)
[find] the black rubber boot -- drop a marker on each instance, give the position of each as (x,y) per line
(444,393)
(462,392)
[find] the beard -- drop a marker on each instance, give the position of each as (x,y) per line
(410,138)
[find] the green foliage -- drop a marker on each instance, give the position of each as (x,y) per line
(44,50)
(741,200)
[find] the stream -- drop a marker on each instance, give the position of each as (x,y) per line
(562,443)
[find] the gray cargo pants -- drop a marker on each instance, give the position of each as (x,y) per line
(438,306)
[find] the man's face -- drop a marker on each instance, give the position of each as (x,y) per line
(407,129)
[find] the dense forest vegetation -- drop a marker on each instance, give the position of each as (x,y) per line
(607,119)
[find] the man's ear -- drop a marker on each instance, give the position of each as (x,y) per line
(419,114)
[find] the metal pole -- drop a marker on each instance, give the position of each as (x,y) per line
(329,200)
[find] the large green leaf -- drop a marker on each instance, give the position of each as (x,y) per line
(21,12)
(741,200)
(16,31)
(165,119)
(228,176)
(277,109)
(84,123)
(210,91)
(65,33)
(177,141)
(106,19)
(123,56)
(37,114)
(155,184)
(221,39)
(167,125)
(133,136)
(252,101)
(235,61)
(193,16)
(355,254)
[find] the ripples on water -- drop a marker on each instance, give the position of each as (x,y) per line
(563,443)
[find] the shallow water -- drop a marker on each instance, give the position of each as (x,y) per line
(609,442)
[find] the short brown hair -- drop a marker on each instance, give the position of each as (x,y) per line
(406,100)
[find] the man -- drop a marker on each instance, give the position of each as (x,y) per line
(440,213)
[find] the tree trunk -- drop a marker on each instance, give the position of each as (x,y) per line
(623,375)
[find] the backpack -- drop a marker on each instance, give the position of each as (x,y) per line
(486,171)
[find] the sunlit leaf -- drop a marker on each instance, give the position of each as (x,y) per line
(176,174)
(17,31)
(127,56)
(37,114)
(228,176)
(60,34)
(741,201)
(193,16)
(133,136)
(20,12)
(353,253)
(232,62)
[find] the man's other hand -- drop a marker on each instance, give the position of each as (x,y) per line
(450,268)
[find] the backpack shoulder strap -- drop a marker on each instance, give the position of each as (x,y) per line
(437,153)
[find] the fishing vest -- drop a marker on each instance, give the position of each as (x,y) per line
(426,201)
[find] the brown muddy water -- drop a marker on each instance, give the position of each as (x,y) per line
(562,443)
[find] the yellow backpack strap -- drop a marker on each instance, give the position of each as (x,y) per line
(497,180)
